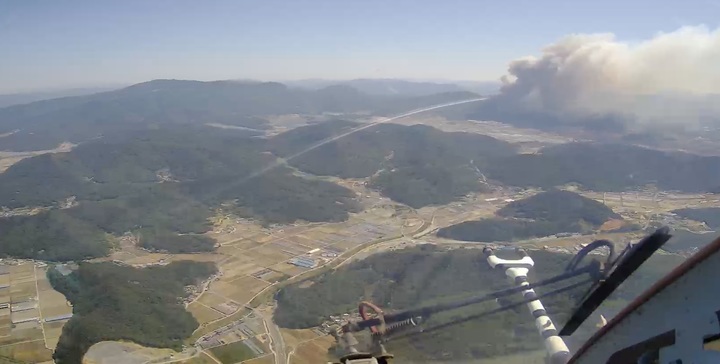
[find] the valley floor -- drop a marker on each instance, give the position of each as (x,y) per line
(255,261)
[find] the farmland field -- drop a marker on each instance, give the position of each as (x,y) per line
(266,359)
(314,351)
(203,313)
(233,353)
(33,301)
(31,352)
(203,358)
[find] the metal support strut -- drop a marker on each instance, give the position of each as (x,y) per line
(517,270)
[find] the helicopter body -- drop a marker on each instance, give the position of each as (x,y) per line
(674,321)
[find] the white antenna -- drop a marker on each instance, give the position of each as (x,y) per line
(516,270)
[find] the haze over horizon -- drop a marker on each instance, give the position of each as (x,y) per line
(200,182)
(87,44)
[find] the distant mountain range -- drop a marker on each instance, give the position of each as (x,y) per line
(370,86)
(147,161)
(28,97)
(45,124)
(390,87)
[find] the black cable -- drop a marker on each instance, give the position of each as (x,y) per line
(625,267)
(502,293)
(597,271)
(627,261)
(575,261)
(424,312)
(497,310)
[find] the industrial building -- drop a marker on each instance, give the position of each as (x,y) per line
(59,317)
(63,269)
(210,343)
(304,262)
(23,306)
(20,320)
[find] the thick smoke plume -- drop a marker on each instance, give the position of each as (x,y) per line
(672,79)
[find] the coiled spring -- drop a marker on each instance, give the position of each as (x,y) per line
(397,326)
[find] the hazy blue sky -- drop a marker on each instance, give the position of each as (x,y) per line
(51,44)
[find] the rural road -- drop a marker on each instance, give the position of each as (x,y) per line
(277,345)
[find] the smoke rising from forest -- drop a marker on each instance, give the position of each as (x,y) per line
(672,79)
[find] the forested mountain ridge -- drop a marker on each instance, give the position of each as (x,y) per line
(417,165)
(164,182)
(45,124)
(607,167)
(362,153)
(160,183)
(33,96)
(544,214)
(420,165)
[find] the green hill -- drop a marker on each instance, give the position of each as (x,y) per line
(506,230)
(709,215)
(544,214)
(416,165)
(558,205)
(114,302)
(52,235)
(684,241)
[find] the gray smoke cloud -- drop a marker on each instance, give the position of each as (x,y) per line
(672,79)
